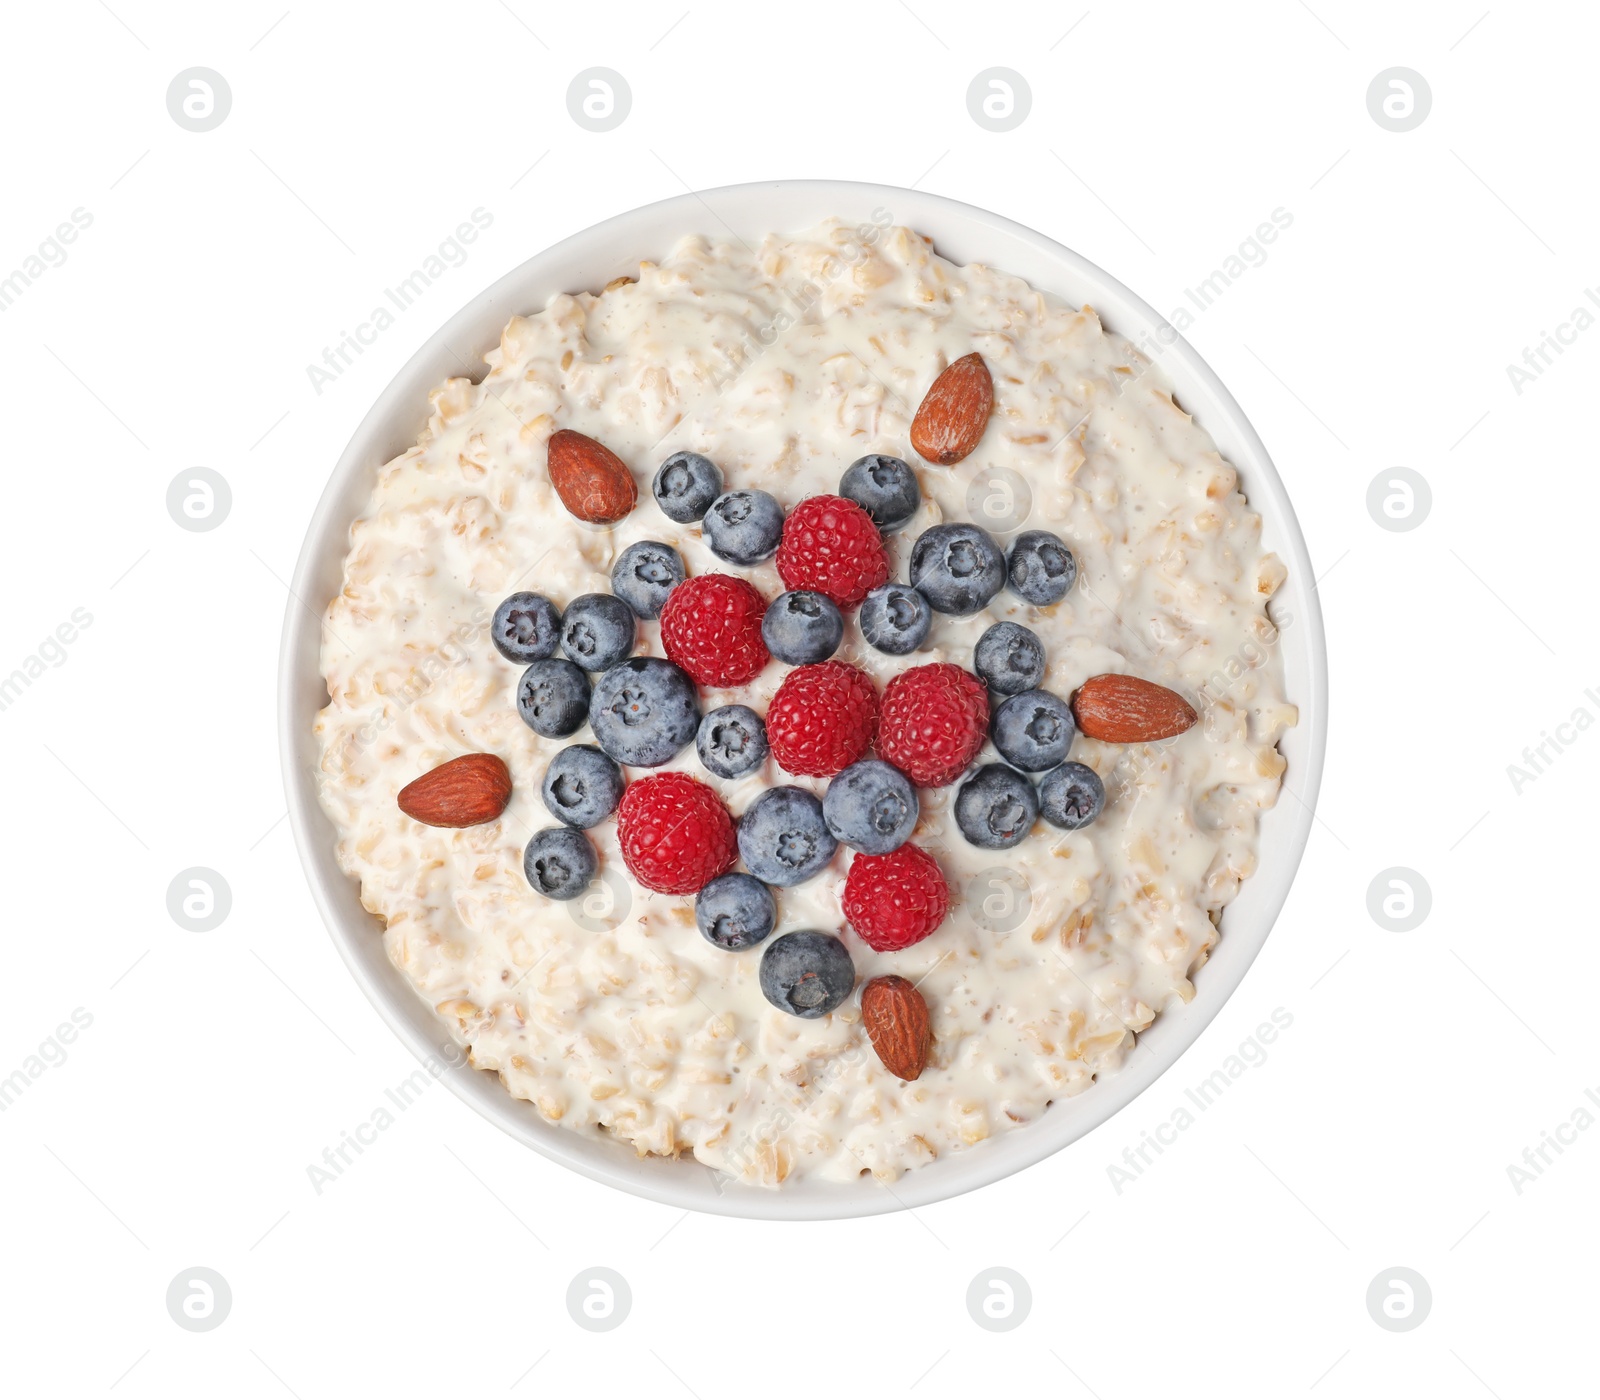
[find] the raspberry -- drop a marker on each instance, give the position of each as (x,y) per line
(675,833)
(831,546)
(934,721)
(822,719)
(711,627)
(895,900)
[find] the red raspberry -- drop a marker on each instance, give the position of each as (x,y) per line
(831,546)
(822,719)
(895,900)
(934,721)
(711,627)
(674,832)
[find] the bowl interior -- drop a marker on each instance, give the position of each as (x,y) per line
(588,261)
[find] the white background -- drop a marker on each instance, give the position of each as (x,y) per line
(176,334)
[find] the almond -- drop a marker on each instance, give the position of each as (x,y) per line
(896,1018)
(466,791)
(592,481)
(954,412)
(1128,710)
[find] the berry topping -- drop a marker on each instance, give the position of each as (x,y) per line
(644,574)
(996,807)
(685,486)
(526,627)
(802,627)
(559,863)
(895,619)
(675,833)
(895,900)
(743,527)
(1040,568)
(885,487)
(644,711)
(871,806)
(597,631)
(822,719)
(735,911)
(807,973)
(732,741)
(1071,796)
(553,698)
(831,545)
(958,567)
(711,626)
(783,838)
(581,786)
(1009,658)
(933,723)
(1033,731)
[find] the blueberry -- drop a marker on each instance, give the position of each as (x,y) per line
(783,837)
(553,698)
(885,487)
(743,527)
(597,631)
(1039,567)
(732,741)
(802,627)
(644,574)
(996,807)
(526,627)
(1071,796)
(735,911)
(1009,658)
(685,485)
(644,710)
(872,806)
(806,973)
(581,786)
(559,863)
(1033,731)
(895,619)
(957,567)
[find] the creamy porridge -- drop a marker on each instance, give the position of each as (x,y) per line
(783,365)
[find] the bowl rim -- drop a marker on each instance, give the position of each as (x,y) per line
(652,228)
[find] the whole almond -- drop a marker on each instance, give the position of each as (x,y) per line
(592,481)
(954,412)
(1128,710)
(896,1018)
(466,791)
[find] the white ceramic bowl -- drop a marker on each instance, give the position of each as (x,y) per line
(589,260)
